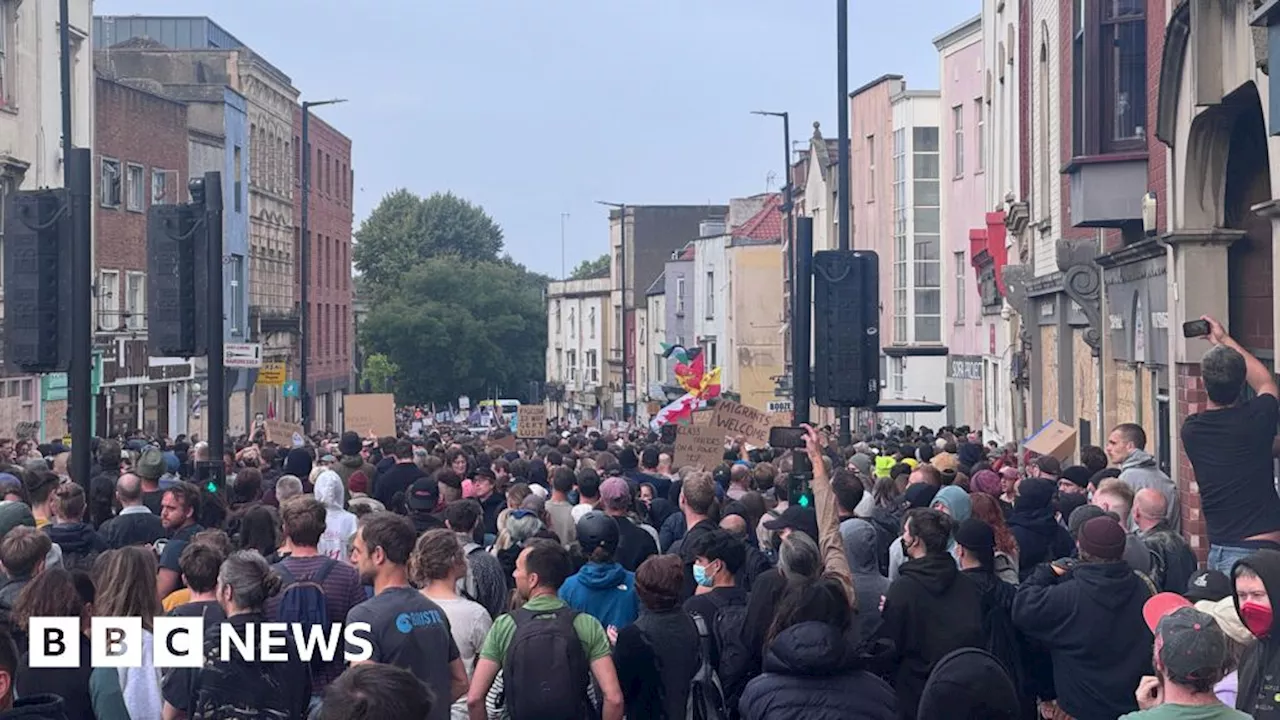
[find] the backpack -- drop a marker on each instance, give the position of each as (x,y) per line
(546,674)
(706,696)
(302,601)
(467,587)
(730,652)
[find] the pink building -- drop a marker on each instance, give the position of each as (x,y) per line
(963,126)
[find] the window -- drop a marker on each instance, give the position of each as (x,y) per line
(711,294)
(1109,76)
(680,296)
(926,249)
(897,376)
(297,160)
(900,255)
(6,186)
(108,300)
(7,74)
(711,354)
(591,321)
(957,130)
(237,168)
(135,188)
(558,329)
(110,183)
(135,300)
(573,325)
(592,374)
(559,365)
(160,186)
(960,288)
(572,355)
(871,168)
(980,120)
(235,269)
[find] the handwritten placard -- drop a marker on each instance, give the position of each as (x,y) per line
(531,421)
(367,413)
(735,419)
(284,434)
(700,446)
(701,418)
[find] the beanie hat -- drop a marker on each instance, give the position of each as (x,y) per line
(985,481)
(357,482)
(1081,515)
(349,444)
(973,534)
(1102,538)
(1078,475)
(13,514)
(298,462)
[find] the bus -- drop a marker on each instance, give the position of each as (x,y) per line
(509,407)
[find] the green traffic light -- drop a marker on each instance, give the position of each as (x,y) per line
(211,487)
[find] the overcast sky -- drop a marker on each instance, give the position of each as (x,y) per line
(536,108)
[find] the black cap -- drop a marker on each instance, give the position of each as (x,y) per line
(798,518)
(1208,585)
(973,534)
(423,495)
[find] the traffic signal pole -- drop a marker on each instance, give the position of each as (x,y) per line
(77,180)
(217,427)
(843,181)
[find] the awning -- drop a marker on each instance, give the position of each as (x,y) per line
(905,405)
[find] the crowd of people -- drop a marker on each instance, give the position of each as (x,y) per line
(916,573)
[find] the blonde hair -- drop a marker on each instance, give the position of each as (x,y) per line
(126,584)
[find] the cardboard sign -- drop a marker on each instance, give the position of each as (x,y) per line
(701,418)
(374,413)
(699,446)
(284,434)
(506,442)
(10,416)
(531,421)
(735,419)
(1055,438)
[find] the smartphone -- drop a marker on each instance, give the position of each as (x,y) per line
(786,437)
(1195,328)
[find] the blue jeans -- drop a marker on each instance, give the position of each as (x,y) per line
(1223,557)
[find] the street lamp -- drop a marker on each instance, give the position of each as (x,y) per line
(622,271)
(791,260)
(304,259)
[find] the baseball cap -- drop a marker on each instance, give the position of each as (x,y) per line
(796,518)
(615,493)
(423,495)
(1049,465)
(1189,642)
(1208,585)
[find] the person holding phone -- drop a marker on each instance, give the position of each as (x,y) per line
(1231,445)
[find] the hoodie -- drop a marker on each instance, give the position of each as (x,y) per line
(969,684)
(80,543)
(1140,470)
(1093,611)
(36,707)
(339,525)
(1259,676)
(859,538)
(812,671)
(349,464)
(1041,538)
(931,610)
(605,591)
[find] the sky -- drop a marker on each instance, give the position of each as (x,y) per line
(535,108)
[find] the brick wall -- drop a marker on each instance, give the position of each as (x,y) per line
(1157,152)
(1065,105)
(329,218)
(1191,399)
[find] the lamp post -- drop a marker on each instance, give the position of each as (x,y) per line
(843,180)
(622,272)
(304,259)
(791,259)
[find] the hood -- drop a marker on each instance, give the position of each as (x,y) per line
(659,510)
(1034,494)
(603,576)
(1111,584)
(956,501)
(860,545)
(37,707)
(810,649)
(298,462)
(1266,565)
(936,572)
(1138,459)
(969,683)
(352,461)
(329,489)
(1039,521)
(77,538)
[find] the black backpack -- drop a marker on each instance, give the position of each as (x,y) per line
(706,696)
(546,674)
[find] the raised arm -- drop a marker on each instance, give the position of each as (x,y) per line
(835,562)
(1255,373)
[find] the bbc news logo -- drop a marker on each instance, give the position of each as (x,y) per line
(177,642)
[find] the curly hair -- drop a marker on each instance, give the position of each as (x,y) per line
(435,555)
(987,509)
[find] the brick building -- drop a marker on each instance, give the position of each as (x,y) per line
(331,326)
(140,155)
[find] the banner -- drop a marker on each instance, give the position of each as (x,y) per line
(735,419)
(699,446)
(531,421)
(372,413)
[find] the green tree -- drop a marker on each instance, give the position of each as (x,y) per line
(405,230)
(588,269)
(379,373)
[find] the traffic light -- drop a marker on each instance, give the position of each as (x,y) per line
(846,328)
(37,276)
(177,274)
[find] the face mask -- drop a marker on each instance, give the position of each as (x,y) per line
(701,577)
(1257,618)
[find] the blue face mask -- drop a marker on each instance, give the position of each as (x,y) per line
(701,577)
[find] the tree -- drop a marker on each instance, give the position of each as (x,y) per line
(588,269)
(379,373)
(461,327)
(405,230)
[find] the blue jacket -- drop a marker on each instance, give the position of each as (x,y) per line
(605,591)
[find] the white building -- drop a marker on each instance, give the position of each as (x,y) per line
(31,136)
(578,333)
(710,296)
(652,333)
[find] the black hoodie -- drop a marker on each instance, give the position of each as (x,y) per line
(969,684)
(931,610)
(1259,679)
(36,707)
(1092,612)
(1041,538)
(80,544)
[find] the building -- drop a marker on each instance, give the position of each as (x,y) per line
(753,304)
(198,51)
(31,158)
(653,232)
(963,164)
(653,366)
(579,338)
(140,152)
(677,300)
(329,221)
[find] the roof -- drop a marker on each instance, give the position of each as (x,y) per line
(686,253)
(963,31)
(883,78)
(658,287)
(765,225)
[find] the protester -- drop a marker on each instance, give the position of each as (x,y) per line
(135,524)
(376,692)
(53,593)
(1191,654)
(1040,537)
(970,684)
(179,509)
(602,588)
(339,524)
(658,654)
(1173,560)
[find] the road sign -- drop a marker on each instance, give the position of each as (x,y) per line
(272,374)
(242,355)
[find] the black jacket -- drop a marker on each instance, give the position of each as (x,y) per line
(1041,538)
(634,544)
(970,684)
(36,707)
(1092,612)
(1173,560)
(813,672)
(656,657)
(1002,640)
(133,528)
(396,479)
(1259,676)
(931,610)
(687,545)
(80,544)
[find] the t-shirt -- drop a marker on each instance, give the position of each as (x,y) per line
(469,623)
(1230,451)
(594,640)
(562,521)
(210,610)
(410,631)
(173,549)
(1169,711)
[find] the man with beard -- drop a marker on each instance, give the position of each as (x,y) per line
(405,628)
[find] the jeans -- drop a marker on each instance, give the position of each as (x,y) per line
(1223,557)
(313,710)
